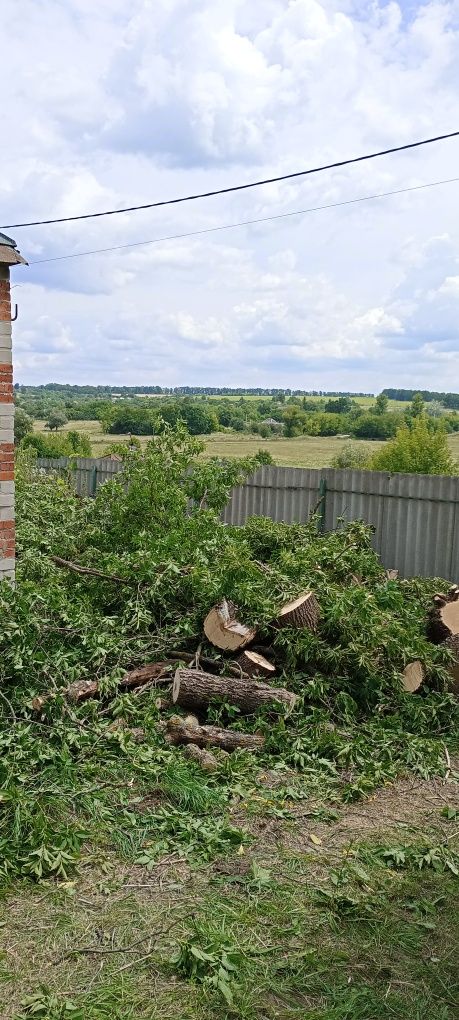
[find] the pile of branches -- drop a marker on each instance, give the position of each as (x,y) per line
(145,585)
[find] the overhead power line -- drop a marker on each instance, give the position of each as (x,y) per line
(235,187)
(245,223)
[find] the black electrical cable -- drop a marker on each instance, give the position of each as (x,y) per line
(236,187)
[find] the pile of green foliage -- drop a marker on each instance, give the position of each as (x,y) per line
(68,771)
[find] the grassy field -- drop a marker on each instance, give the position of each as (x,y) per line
(305,451)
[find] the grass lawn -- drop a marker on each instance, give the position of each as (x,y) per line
(327,914)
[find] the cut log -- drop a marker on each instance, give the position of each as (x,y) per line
(205,759)
(453,644)
(179,732)
(81,690)
(193,689)
(413,676)
(444,616)
(391,574)
(224,630)
(143,675)
(254,664)
(301,612)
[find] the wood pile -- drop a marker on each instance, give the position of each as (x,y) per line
(237,672)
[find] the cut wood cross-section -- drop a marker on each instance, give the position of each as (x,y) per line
(179,731)
(254,664)
(413,676)
(303,611)
(444,615)
(195,689)
(224,630)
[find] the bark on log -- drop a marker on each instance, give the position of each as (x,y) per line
(453,644)
(444,616)
(179,732)
(224,630)
(205,759)
(193,689)
(301,612)
(413,676)
(254,664)
(81,690)
(143,675)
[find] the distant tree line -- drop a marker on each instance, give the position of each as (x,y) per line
(449,400)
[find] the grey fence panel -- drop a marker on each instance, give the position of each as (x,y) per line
(284,494)
(87,472)
(416,517)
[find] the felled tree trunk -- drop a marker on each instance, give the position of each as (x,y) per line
(413,676)
(444,615)
(193,689)
(224,630)
(301,612)
(179,731)
(254,664)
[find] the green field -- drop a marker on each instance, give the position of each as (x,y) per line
(304,451)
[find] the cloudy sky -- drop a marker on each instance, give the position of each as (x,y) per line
(121,102)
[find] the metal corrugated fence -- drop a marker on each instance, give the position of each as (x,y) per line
(416,517)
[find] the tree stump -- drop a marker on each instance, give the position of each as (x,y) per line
(301,612)
(443,620)
(254,664)
(193,689)
(224,630)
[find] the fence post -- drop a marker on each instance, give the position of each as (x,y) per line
(322,504)
(93,485)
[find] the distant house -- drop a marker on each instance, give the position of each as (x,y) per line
(272,422)
(343,435)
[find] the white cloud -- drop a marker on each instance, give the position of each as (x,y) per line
(115,104)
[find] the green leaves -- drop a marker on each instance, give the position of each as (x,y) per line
(205,958)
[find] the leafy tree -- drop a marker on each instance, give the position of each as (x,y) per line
(78,443)
(416,450)
(200,419)
(381,404)
(340,406)
(56,421)
(375,426)
(435,409)
(23,424)
(417,406)
(294,419)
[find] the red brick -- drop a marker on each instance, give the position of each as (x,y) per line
(6,448)
(6,476)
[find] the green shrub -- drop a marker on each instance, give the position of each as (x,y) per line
(417,449)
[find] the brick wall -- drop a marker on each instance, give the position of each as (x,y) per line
(6,431)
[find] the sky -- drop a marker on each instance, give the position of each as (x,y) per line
(122,102)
